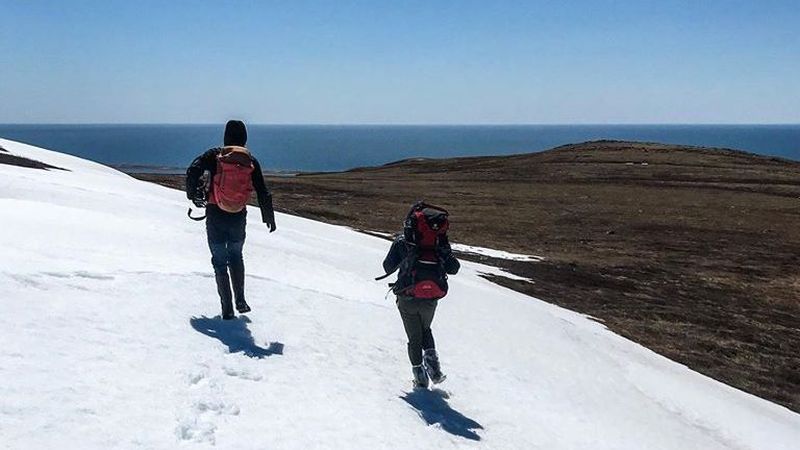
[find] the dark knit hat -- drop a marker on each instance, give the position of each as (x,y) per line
(235,133)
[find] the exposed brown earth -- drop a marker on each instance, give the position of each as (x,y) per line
(19,161)
(694,253)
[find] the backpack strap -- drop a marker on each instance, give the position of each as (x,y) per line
(189,213)
(385,275)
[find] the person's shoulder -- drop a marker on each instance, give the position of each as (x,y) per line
(206,157)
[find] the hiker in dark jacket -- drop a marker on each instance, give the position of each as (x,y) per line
(230,174)
(416,308)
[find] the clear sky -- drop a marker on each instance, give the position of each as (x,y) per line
(423,62)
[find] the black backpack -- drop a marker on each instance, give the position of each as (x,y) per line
(422,273)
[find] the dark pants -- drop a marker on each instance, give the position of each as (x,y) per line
(417,315)
(226,233)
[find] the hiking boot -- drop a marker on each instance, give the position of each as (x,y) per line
(225,297)
(420,377)
(237,279)
(430,360)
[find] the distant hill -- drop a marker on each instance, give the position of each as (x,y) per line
(612,161)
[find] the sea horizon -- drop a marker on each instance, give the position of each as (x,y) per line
(282,148)
(410,124)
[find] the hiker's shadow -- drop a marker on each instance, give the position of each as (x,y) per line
(432,407)
(236,335)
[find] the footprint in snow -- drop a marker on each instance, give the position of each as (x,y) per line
(196,378)
(199,424)
(216,408)
(242,374)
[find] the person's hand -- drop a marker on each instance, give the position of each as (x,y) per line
(271,221)
(268,215)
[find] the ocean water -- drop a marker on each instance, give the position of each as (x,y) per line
(332,147)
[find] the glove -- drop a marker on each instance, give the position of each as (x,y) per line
(271,222)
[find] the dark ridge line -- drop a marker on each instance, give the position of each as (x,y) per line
(657,147)
(19,161)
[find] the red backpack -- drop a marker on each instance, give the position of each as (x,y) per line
(232,185)
(423,229)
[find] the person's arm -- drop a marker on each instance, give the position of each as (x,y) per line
(450,263)
(396,255)
(206,161)
(264,197)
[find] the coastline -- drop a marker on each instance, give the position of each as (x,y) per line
(313,148)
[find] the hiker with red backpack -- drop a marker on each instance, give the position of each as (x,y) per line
(423,256)
(222,180)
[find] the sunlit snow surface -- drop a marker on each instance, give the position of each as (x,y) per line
(109,341)
(492,253)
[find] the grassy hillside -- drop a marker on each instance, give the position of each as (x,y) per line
(694,253)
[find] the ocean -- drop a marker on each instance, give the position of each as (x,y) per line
(170,148)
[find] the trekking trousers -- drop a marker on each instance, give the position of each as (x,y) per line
(226,234)
(417,315)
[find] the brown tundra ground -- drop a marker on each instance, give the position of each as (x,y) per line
(691,252)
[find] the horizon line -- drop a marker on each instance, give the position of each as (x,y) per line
(401,124)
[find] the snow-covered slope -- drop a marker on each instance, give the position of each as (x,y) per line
(108,341)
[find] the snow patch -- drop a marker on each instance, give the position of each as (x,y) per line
(492,253)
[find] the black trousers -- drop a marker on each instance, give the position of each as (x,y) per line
(226,233)
(417,315)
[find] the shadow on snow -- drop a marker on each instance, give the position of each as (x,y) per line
(234,334)
(432,407)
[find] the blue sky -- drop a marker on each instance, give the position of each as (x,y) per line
(422,62)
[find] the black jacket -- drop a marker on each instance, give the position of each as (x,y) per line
(400,257)
(208,161)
